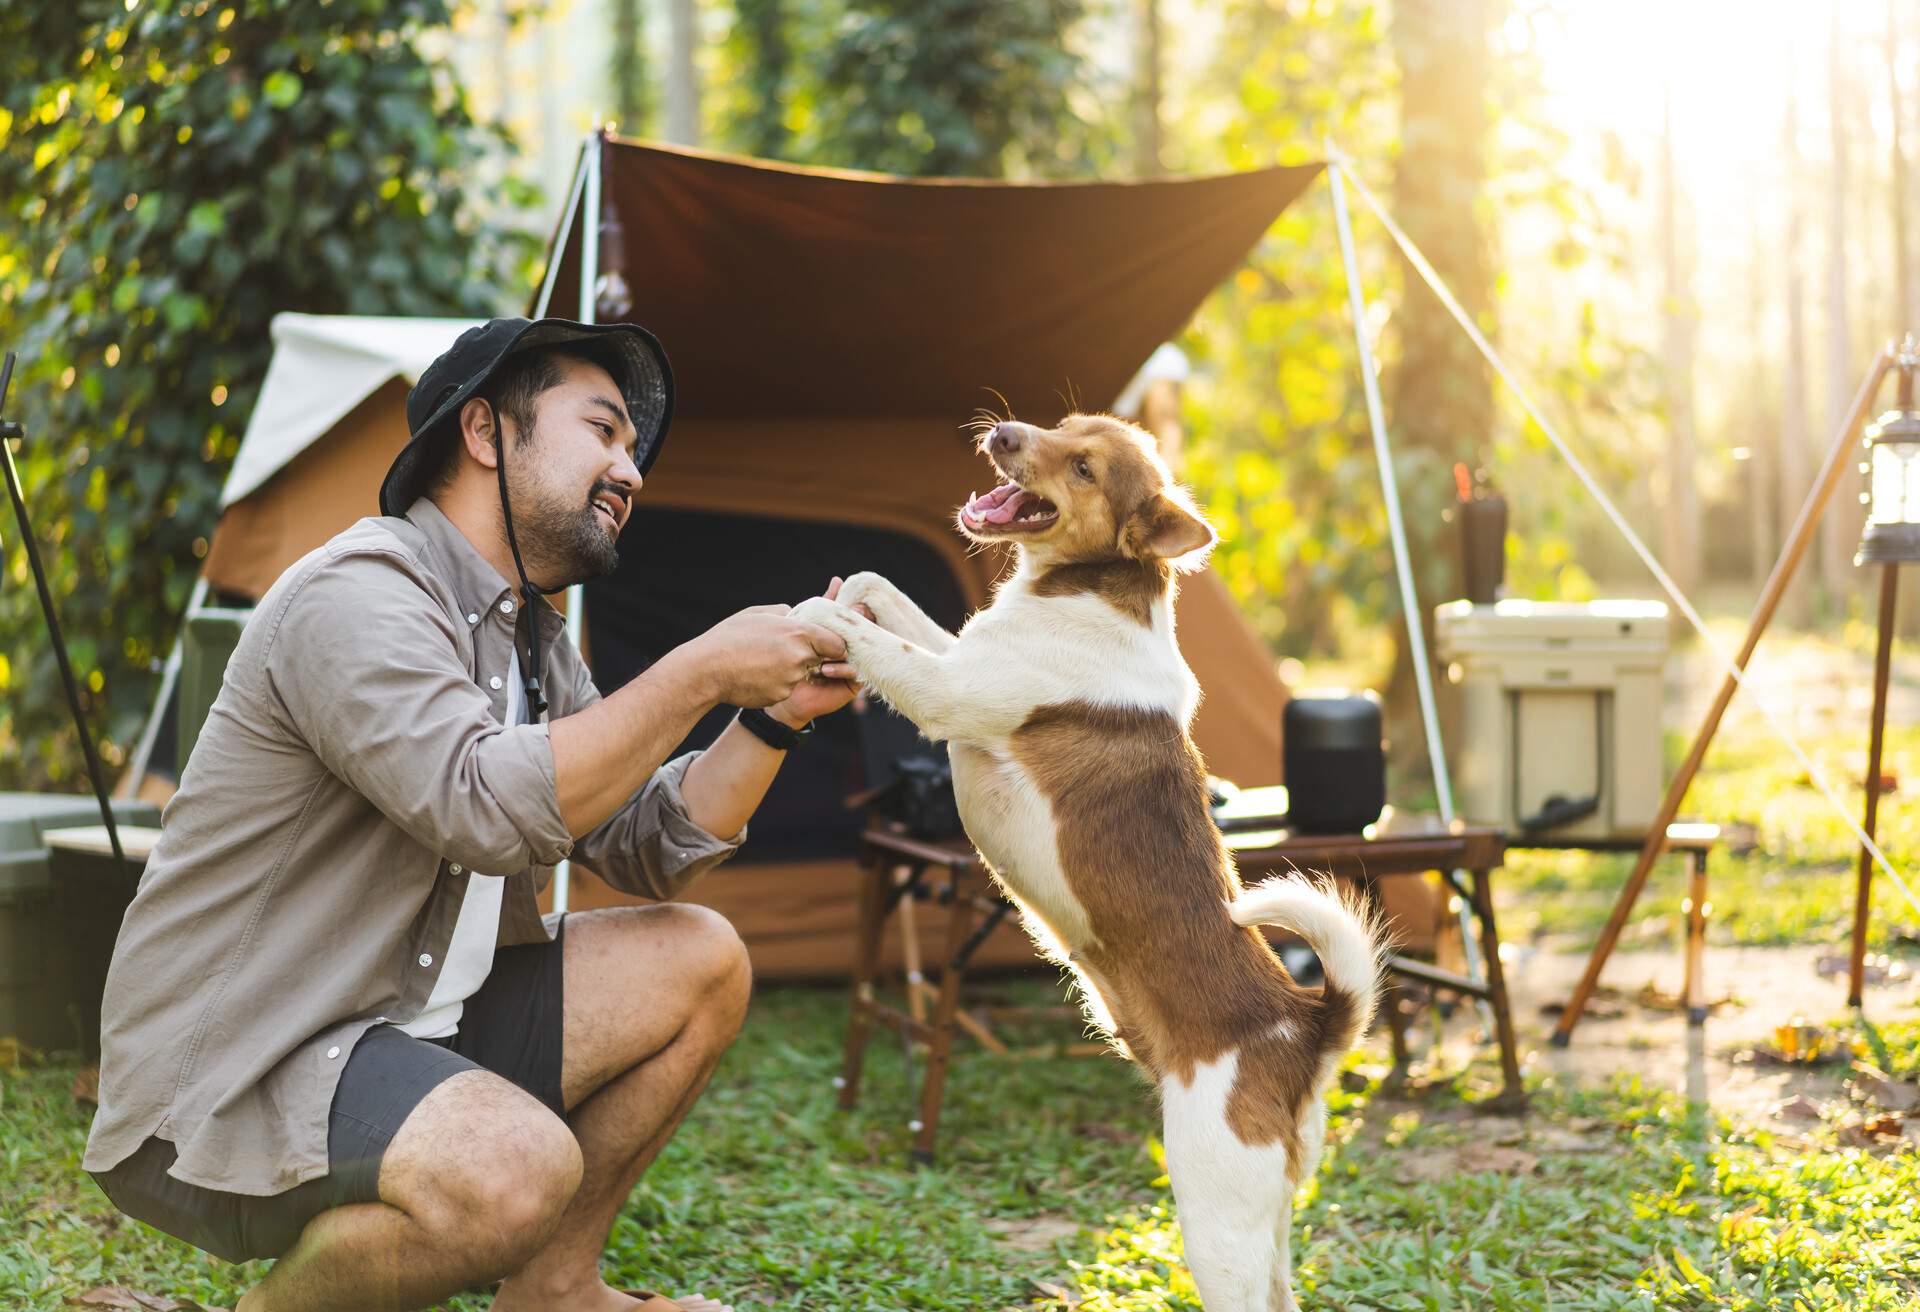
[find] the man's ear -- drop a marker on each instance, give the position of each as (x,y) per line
(1163,529)
(477,431)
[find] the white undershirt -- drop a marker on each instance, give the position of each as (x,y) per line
(470,954)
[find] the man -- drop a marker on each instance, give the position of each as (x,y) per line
(311,1048)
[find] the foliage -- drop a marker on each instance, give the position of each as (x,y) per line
(172,176)
(956,88)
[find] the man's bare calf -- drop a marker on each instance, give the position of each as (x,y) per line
(482,1183)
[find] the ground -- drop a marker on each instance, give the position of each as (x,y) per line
(1661,1167)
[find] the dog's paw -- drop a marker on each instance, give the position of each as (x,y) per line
(864,589)
(824,611)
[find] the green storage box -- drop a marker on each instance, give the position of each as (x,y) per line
(211,635)
(36,984)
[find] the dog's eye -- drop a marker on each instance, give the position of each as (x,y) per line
(1082,468)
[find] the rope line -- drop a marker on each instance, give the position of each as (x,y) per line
(1731,667)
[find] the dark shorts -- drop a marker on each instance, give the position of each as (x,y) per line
(511,1026)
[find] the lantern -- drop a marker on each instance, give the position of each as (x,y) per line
(1893,478)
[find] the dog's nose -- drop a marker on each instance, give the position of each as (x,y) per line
(1006,440)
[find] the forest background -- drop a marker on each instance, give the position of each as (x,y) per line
(1681,222)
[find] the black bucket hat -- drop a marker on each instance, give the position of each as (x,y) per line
(629,352)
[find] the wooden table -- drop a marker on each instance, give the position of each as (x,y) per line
(952,875)
(1696,842)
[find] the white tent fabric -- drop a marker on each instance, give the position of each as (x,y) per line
(323,366)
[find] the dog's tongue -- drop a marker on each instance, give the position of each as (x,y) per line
(998,506)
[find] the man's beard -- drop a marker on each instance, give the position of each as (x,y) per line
(563,544)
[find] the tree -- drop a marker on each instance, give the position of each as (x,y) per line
(683,72)
(1794,468)
(1680,517)
(173,176)
(952,88)
(632,89)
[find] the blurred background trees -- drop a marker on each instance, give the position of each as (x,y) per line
(1692,273)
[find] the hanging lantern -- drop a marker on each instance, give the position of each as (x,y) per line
(1892,468)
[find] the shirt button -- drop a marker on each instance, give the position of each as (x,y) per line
(426,958)
(455,868)
(506,608)
(333,1052)
(473,617)
(494,683)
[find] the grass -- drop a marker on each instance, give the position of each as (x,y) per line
(1049,1187)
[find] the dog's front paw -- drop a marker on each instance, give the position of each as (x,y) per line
(863,589)
(825,612)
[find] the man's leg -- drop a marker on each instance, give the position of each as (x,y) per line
(654,996)
(471,1186)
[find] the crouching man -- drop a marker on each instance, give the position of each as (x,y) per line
(337,1030)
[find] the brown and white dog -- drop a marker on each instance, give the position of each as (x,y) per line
(1065,706)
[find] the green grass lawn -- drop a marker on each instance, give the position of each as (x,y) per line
(1049,1190)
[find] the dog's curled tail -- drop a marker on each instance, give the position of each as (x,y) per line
(1343,933)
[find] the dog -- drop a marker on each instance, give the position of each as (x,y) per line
(1065,705)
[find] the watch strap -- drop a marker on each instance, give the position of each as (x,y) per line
(780,737)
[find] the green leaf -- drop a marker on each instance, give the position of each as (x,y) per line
(281,88)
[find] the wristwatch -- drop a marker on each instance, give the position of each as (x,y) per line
(780,737)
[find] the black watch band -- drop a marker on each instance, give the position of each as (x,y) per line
(780,737)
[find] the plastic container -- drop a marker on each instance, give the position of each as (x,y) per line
(1559,727)
(36,982)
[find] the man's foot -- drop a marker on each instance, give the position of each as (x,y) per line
(603,1299)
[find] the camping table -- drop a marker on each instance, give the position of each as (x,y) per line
(897,868)
(1697,842)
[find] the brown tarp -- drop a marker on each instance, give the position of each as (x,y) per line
(829,334)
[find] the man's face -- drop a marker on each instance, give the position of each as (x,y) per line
(572,479)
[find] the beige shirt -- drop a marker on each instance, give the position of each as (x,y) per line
(355,766)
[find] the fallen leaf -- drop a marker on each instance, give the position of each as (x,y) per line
(86,1085)
(1799,1108)
(1057,1293)
(1878,1087)
(1876,1133)
(1032,1234)
(135,1300)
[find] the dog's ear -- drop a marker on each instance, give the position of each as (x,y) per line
(1164,528)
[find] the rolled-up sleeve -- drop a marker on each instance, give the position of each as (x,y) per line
(365,667)
(650,846)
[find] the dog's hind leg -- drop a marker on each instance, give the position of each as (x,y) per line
(1229,1196)
(1280,1281)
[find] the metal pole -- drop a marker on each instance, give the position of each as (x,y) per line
(589,192)
(1402,560)
(15,491)
(1876,738)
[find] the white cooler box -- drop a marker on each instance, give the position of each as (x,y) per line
(1556,700)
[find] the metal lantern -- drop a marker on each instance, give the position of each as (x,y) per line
(1893,476)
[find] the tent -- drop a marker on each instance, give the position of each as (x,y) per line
(830,332)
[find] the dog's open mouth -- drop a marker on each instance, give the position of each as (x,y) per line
(1008,508)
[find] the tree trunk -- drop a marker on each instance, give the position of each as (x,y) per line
(1441,394)
(1794,466)
(629,67)
(1904,316)
(1840,526)
(1761,453)
(683,73)
(1148,159)
(764,25)
(1680,516)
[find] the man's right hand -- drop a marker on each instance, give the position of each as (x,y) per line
(760,655)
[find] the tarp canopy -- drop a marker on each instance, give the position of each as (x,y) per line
(790,292)
(827,336)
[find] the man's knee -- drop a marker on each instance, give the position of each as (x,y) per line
(718,958)
(498,1192)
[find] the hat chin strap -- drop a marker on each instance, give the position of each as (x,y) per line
(529,595)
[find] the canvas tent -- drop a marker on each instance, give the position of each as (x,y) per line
(830,333)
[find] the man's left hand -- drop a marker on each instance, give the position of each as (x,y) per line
(833,687)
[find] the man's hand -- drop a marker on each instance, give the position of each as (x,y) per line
(826,692)
(760,656)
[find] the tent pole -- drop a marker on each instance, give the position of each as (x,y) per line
(1396,529)
(552,274)
(592,152)
(169,676)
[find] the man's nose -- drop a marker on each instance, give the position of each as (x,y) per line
(1008,438)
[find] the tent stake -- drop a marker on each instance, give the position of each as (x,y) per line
(1798,540)
(1402,561)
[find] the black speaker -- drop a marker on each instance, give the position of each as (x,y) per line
(1336,762)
